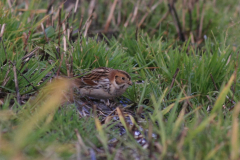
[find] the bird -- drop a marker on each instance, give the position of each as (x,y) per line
(103,83)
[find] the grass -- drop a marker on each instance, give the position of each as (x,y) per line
(186,108)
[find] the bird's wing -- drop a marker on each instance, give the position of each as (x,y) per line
(95,77)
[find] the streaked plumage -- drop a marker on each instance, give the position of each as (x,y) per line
(103,83)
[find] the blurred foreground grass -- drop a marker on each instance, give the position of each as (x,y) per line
(187,107)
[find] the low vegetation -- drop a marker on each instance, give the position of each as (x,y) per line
(182,56)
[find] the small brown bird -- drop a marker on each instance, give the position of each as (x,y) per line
(104,83)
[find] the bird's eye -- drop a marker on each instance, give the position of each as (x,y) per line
(123,78)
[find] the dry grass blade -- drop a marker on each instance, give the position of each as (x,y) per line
(179,120)
(25,77)
(127,21)
(139,110)
(222,96)
(150,132)
(2,30)
(176,21)
(201,22)
(30,54)
(87,25)
(122,120)
(26,37)
(159,22)
(110,16)
(59,33)
(108,117)
(60,64)
(64,38)
(45,34)
(98,125)
(173,80)
(91,7)
(41,21)
(201,127)
(33,11)
(235,74)
(181,143)
(90,17)
(235,80)
(16,84)
(55,92)
(133,122)
(184,9)
(78,151)
(214,151)
(135,12)
(6,114)
(185,94)
(168,108)
(102,135)
(213,82)
(6,78)
(80,24)
(50,5)
(235,134)
(159,147)
(76,5)
(81,143)
(10,5)
(148,12)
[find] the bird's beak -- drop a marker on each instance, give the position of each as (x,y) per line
(130,83)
